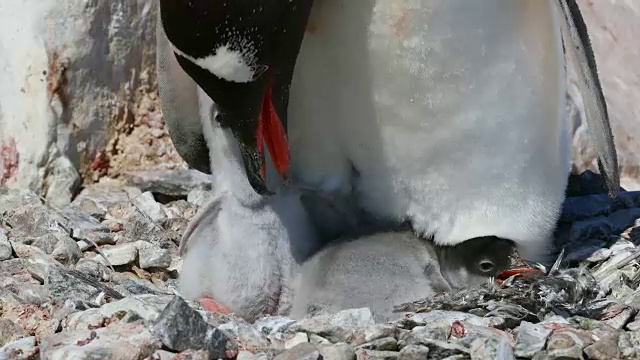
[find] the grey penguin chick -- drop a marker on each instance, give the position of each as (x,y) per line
(385,269)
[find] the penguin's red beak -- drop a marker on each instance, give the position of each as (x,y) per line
(522,268)
(242,54)
(272,133)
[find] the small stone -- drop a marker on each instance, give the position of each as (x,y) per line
(151,256)
(629,345)
(10,331)
(6,252)
(63,285)
(66,250)
(337,351)
(618,321)
(298,338)
(531,339)
(318,340)
(93,268)
(246,335)
(148,205)
(606,348)
(117,341)
(146,307)
(343,326)
(273,324)
(63,180)
(491,349)
(383,344)
(363,354)
(565,344)
(379,331)
(119,255)
(414,352)
(246,355)
(180,328)
(24,348)
(446,318)
(304,351)
(167,182)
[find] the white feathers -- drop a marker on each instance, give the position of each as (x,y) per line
(226,64)
(450,111)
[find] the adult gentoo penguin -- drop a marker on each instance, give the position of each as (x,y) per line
(448,114)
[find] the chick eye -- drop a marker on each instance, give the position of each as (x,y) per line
(486,266)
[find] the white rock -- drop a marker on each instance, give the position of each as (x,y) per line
(68,68)
(147,204)
(118,341)
(152,256)
(298,338)
(119,254)
(5,248)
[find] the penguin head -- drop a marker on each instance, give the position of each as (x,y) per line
(242,54)
(474,261)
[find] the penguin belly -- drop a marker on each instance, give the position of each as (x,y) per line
(451,113)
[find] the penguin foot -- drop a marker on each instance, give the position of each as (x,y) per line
(213,306)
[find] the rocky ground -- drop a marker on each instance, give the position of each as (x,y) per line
(97,280)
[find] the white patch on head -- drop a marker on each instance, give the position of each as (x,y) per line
(226,64)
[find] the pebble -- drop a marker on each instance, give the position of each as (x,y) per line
(119,255)
(151,256)
(118,341)
(181,328)
(343,326)
(531,339)
(413,352)
(6,251)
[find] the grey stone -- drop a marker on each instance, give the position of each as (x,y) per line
(304,351)
(64,284)
(147,307)
(344,326)
(565,344)
(491,349)
(96,269)
(180,328)
(62,181)
(531,338)
(297,338)
(119,254)
(148,205)
(273,324)
(337,351)
(445,318)
(247,335)
(66,250)
(382,344)
(10,199)
(151,256)
(167,182)
(6,252)
(10,331)
(629,345)
(24,348)
(414,352)
(36,220)
(378,331)
(84,226)
(605,348)
(117,341)
(364,354)
(246,355)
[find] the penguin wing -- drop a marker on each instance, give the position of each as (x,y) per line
(575,35)
(180,104)
(207,214)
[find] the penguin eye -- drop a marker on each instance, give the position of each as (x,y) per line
(486,266)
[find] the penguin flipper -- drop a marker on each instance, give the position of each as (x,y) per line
(575,35)
(208,213)
(180,105)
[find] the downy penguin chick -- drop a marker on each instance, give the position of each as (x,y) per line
(385,269)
